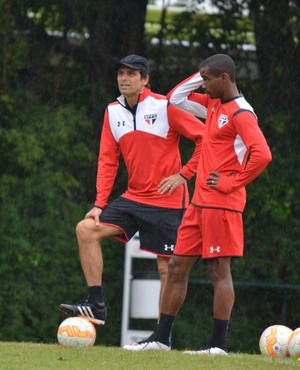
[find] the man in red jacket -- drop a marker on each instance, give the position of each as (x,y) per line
(145,129)
(234,152)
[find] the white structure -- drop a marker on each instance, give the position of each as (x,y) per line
(205,5)
(140,295)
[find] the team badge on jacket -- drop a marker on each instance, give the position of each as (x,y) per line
(223,119)
(150,118)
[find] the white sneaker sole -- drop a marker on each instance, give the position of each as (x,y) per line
(94,321)
(147,346)
(211,352)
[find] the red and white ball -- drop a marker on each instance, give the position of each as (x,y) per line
(274,341)
(76,332)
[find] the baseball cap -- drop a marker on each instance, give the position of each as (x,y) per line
(135,62)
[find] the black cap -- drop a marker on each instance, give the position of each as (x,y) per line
(135,62)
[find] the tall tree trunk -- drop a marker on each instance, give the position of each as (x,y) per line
(116,31)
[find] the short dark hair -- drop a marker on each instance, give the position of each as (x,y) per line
(218,64)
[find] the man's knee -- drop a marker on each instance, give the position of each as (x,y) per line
(86,230)
(81,228)
(162,266)
(219,268)
(178,269)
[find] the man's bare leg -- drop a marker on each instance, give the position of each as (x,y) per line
(89,236)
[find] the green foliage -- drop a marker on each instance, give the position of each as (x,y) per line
(41,199)
(187,37)
(48,163)
(273,203)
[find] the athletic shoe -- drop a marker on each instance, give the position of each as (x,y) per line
(149,344)
(96,313)
(208,351)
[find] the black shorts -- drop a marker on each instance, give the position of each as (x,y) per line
(157,226)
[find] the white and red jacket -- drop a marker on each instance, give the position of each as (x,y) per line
(148,139)
(233,145)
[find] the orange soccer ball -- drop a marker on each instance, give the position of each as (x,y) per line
(294,344)
(274,341)
(76,332)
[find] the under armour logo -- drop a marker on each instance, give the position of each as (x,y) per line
(214,250)
(121,123)
(169,247)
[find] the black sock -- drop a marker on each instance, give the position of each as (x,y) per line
(95,294)
(219,337)
(164,328)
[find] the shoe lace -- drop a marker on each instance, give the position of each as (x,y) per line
(81,302)
(153,338)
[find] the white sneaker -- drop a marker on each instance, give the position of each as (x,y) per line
(208,351)
(147,346)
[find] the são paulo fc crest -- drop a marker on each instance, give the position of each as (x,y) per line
(223,119)
(150,118)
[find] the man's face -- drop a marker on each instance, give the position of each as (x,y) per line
(130,81)
(213,85)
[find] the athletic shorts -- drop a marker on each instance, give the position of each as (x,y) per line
(210,233)
(157,226)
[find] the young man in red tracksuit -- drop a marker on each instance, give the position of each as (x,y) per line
(145,129)
(234,152)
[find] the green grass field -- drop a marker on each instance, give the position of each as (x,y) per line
(34,356)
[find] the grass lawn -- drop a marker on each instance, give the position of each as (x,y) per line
(34,356)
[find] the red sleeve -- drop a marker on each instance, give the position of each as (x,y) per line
(108,164)
(191,127)
(259,153)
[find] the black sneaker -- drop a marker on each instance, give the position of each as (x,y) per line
(94,312)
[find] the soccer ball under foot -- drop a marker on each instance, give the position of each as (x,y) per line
(76,332)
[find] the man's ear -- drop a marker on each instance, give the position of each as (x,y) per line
(225,76)
(146,80)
